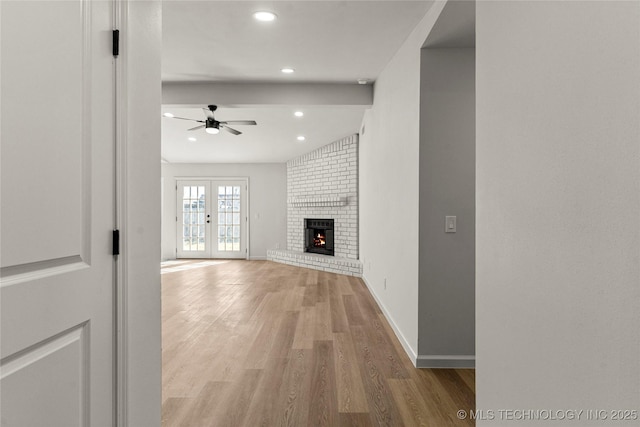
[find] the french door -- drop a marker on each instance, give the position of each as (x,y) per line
(211,218)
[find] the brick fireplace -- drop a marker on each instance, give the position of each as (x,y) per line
(323,185)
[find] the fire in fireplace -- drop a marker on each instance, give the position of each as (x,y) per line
(318,236)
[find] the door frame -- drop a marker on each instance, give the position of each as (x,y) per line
(244,179)
(138,338)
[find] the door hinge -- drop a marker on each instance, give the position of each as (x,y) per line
(116,242)
(116,43)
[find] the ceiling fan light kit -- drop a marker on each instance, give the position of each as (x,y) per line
(265,16)
(212,129)
(211,125)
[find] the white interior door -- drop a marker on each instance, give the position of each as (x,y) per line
(211,218)
(57,211)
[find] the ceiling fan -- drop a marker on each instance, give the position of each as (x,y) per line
(212,126)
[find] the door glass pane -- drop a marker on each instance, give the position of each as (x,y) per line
(193,218)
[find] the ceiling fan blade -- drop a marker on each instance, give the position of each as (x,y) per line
(230,130)
(239,122)
(191,120)
(197,127)
(208,113)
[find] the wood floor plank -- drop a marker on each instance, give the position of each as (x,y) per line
(350,390)
(294,392)
(256,343)
(263,410)
(263,343)
(469,377)
(200,411)
(339,321)
(380,400)
(294,400)
(173,409)
(392,364)
(232,410)
(353,419)
(283,338)
(413,409)
(457,389)
(310,297)
(304,335)
(438,398)
(352,310)
(324,410)
(322,330)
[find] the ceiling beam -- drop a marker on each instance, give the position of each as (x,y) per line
(189,94)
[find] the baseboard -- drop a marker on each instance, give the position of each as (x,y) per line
(403,341)
(257,258)
(446,361)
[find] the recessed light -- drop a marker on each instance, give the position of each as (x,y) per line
(287,70)
(192,139)
(363,81)
(168,115)
(298,114)
(301,138)
(264,16)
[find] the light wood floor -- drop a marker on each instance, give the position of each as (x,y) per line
(256,343)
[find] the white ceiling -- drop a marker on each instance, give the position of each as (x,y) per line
(272,140)
(324,41)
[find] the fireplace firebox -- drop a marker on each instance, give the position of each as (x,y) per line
(318,236)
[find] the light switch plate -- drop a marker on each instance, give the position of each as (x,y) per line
(449,224)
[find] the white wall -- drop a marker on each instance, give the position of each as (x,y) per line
(389,166)
(267,202)
(446,319)
(558,206)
